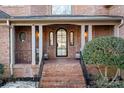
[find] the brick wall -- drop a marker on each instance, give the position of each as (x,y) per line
(47,9)
(116,10)
(40,10)
(27,10)
(89,10)
(102,31)
(16,10)
(119,11)
(4,48)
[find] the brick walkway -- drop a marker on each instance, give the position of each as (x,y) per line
(62,73)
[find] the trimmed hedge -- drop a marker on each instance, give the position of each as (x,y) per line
(107,50)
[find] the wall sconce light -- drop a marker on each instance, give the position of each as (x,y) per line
(85,34)
(37,34)
(37,31)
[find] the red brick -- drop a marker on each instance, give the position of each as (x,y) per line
(62,73)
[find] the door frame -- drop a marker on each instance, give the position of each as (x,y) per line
(66,42)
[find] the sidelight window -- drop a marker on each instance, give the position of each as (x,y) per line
(51,38)
(71,38)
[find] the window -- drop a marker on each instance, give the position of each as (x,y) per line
(51,38)
(61,9)
(71,38)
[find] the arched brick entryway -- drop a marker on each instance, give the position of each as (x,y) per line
(70,49)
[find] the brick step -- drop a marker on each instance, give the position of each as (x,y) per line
(62,85)
(63,82)
(62,74)
(59,79)
(67,72)
(63,77)
(55,66)
(66,68)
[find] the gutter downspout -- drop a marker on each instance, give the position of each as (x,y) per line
(10,41)
(117,27)
(122,22)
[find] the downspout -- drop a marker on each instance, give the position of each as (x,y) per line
(10,42)
(122,22)
(117,28)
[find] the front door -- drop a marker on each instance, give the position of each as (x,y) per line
(61,43)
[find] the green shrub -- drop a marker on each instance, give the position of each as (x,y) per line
(107,50)
(1,69)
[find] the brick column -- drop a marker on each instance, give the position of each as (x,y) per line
(12,44)
(89,32)
(33,46)
(116,30)
(40,43)
(82,37)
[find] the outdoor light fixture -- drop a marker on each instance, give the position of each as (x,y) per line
(37,34)
(37,31)
(85,34)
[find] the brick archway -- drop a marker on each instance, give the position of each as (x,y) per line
(72,49)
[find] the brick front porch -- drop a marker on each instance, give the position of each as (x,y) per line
(63,73)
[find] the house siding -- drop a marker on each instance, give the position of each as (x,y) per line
(4,49)
(119,11)
(102,31)
(29,70)
(27,10)
(36,10)
(89,10)
(16,10)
